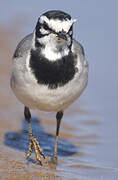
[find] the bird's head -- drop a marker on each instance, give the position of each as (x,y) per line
(54,27)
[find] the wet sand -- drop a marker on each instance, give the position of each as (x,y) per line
(82,145)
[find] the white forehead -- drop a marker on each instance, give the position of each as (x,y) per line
(56,24)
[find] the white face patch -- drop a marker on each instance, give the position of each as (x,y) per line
(56,24)
(43,31)
(50,51)
(52,55)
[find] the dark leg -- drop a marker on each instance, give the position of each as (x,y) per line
(59,116)
(34,144)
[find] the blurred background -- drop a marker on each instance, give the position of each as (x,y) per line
(88,145)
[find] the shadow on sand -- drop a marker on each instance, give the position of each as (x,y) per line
(19,140)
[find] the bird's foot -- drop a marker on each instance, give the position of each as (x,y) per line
(34,145)
(54,159)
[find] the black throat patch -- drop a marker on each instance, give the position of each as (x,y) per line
(50,73)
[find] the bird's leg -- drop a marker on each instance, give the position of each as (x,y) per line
(59,116)
(33,144)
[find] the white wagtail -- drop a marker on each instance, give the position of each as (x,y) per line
(49,71)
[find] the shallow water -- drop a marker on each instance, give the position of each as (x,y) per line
(88,143)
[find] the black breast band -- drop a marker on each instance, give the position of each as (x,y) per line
(52,73)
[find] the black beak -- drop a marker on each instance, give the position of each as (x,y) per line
(62,35)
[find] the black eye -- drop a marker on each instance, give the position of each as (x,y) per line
(46,27)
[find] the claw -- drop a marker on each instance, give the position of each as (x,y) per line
(34,145)
(40,149)
(30,150)
(36,150)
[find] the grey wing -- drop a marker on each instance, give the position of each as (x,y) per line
(78,48)
(23,46)
(79,51)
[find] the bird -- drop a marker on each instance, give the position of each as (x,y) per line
(49,72)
